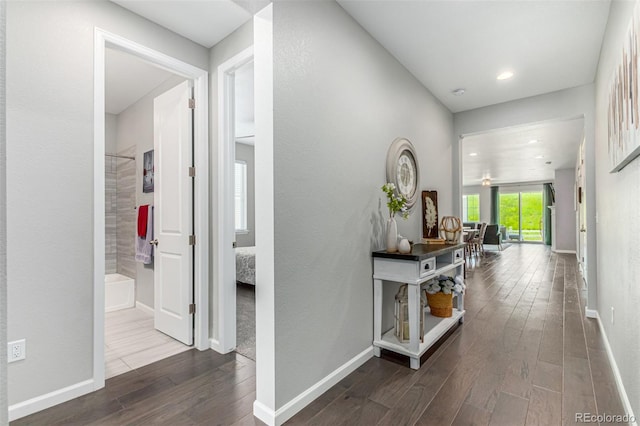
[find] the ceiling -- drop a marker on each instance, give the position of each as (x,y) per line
(205,22)
(550,45)
(508,156)
(127,79)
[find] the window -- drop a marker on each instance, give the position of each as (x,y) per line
(241,196)
(471,208)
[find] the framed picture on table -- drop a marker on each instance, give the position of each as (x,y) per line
(430,214)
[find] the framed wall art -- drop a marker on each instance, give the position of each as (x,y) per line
(147,172)
(623,114)
(430,214)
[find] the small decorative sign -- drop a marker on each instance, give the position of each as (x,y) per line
(147,172)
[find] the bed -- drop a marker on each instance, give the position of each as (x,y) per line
(246,265)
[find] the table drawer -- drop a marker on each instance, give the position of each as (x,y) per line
(458,255)
(427,267)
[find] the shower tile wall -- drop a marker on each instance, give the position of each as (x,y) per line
(126,215)
(110,215)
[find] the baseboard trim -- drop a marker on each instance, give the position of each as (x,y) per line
(591,313)
(39,403)
(616,374)
(215,345)
(565,251)
(264,413)
(292,407)
(146,308)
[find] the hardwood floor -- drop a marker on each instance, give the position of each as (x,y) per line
(525,355)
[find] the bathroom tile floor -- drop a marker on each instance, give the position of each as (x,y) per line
(131,341)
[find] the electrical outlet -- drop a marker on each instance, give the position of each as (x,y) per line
(612,315)
(16,350)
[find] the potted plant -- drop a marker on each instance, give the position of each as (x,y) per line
(396,203)
(440,294)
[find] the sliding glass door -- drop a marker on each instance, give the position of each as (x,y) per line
(521,215)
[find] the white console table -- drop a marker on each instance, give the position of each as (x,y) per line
(426,261)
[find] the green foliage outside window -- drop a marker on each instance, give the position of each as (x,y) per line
(473,208)
(531,214)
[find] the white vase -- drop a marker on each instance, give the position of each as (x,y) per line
(392,235)
(404,247)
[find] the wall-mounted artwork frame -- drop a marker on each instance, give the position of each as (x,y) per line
(623,114)
(430,214)
(147,172)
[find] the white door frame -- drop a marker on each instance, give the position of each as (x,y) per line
(226,341)
(103,39)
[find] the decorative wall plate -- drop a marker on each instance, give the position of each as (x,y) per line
(403,170)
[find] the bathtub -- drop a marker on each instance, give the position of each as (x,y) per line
(119,292)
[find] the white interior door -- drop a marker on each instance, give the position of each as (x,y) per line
(582,214)
(173,260)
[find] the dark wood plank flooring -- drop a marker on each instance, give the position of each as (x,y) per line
(525,355)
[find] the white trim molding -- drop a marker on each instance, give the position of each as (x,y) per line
(292,407)
(200,77)
(226,226)
(616,374)
(143,307)
(215,345)
(565,251)
(42,402)
(591,313)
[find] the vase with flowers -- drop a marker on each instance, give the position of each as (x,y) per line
(440,292)
(396,203)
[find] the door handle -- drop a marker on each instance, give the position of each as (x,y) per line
(583,230)
(154,242)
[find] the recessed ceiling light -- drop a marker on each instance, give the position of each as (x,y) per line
(458,92)
(533,141)
(539,156)
(505,75)
(473,154)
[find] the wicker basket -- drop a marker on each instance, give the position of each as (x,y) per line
(440,304)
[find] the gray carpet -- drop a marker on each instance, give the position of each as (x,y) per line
(246,320)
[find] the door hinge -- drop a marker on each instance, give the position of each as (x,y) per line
(192,103)
(192,240)
(192,308)
(192,171)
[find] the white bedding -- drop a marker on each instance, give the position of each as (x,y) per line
(246,265)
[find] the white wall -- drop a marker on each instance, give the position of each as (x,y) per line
(340,99)
(563,104)
(233,44)
(50,59)
(618,225)
(246,153)
(3,225)
(110,133)
(565,227)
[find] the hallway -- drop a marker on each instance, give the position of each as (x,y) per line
(511,363)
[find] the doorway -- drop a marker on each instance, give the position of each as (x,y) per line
(234,131)
(198,215)
(521,213)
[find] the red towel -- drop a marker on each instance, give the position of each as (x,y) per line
(143,215)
